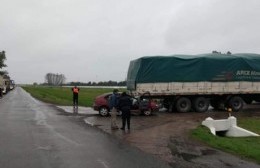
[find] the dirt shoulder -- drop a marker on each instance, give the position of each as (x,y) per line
(166,136)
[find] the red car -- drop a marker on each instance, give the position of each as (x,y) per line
(144,106)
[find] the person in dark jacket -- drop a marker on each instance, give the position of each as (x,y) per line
(124,105)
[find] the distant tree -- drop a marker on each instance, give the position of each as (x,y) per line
(3,73)
(216,52)
(101,83)
(2,59)
(76,84)
(229,53)
(88,84)
(54,79)
(122,83)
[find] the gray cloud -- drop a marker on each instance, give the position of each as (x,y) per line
(94,40)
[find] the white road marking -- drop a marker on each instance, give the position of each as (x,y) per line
(41,120)
(103,163)
(88,122)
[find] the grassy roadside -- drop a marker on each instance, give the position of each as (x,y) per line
(245,147)
(248,147)
(63,96)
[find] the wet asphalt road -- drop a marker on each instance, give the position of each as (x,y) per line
(34,134)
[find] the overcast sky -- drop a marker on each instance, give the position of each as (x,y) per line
(94,40)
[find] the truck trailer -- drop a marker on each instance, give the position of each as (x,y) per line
(194,82)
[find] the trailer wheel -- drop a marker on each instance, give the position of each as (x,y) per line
(200,104)
(183,104)
(236,103)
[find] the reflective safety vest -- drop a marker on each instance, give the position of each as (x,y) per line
(75,90)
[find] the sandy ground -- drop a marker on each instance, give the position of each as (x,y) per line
(166,136)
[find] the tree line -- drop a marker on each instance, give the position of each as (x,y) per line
(52,79)
(102,83)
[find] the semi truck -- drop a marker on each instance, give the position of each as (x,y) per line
(1,85)
(12,84)
(195,82)
(5,84)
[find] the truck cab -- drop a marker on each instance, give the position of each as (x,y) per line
(1,85)
(6,84)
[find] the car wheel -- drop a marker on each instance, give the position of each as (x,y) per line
(103,111)
(147,112)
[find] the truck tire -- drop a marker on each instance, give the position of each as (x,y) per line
(236,103)
(183,104)
(200,104)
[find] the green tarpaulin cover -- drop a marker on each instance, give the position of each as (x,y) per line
(194,68)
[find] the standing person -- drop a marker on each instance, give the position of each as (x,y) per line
(75,91)
(125,104)
(113,106)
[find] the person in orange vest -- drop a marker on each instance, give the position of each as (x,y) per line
(75,91)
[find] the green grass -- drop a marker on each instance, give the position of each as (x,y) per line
(63,95)
(246,147)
